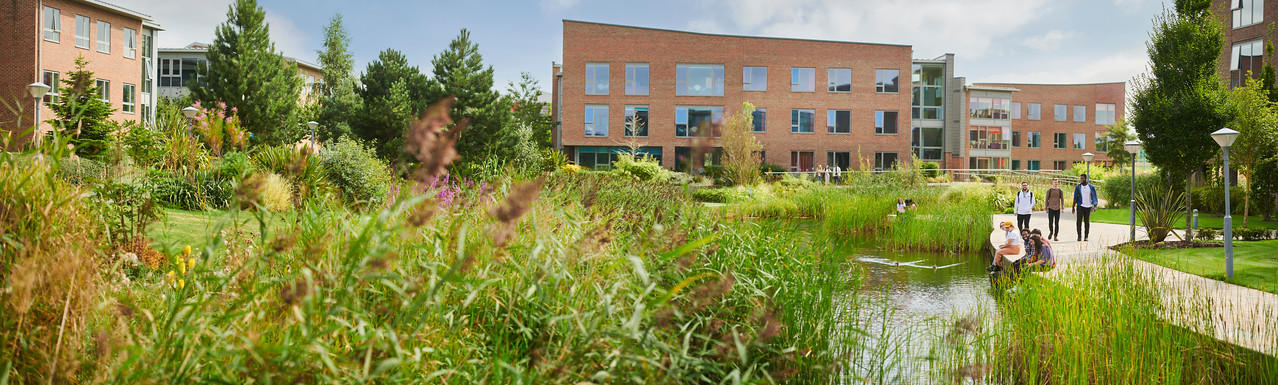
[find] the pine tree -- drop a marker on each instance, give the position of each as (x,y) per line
(246,72)
(460,72)
(392,95)
(82,114)
(339,103)
(526,100)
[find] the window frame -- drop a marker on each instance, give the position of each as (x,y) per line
(590,114)
(631,111)
(104,37)
(1016,111)
(1110,115)
(1078,141)
(130,43)
(88,31)
(1060,141)
(632,81)
(835,88)
(684,71)
(1033,111)
(880,159)
(759,121)
(796,84)
(882,88)
(128,98)
(104,89)
(796,121)
(592,78)
(52,16)
(1235,13)
(1080,113)
(919,146)
(1033,139)
(832,122)
(1060,112)
(52,79)
(747,79)
(682,118)
(796,160)
(881,120)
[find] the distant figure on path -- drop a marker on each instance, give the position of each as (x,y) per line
(1084,202)
(1024,206)
(1054,203)
(838,173)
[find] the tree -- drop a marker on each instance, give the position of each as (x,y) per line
(740,147)
(460,72)
(525,98)
(82,114)
(338,102)
(246,72)
(1116,135)
(1179,103)
(392,95)
(1256,120)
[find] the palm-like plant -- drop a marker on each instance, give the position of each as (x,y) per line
(1159,208)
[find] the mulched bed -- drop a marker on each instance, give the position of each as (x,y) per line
(1147,245)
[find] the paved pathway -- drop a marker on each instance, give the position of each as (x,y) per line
(1240,315)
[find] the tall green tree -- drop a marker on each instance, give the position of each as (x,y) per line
(1117,134)
(82,114)
(338,102)
(460,72)
(1180,102)
(526,101)
(393,93)
(246,72)
(1256,120)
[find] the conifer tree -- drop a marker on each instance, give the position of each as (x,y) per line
(82,114)
(393,93)
(460,71)
(339,103)
(246,72)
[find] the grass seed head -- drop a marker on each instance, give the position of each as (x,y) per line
(432,142)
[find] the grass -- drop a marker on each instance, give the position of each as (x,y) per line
(1255,263)
(179,228)
(1123,217)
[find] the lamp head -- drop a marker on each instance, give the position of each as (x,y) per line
(1087,157)
(1225,137)
(189,112)
(38,89)
(312,124)
(1132,147)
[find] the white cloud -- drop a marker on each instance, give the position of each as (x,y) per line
(559,4)
(185,22)
(1119,67)
(970,28)
(1050,41)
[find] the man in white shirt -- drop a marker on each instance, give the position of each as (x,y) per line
(1085,201)
(838,173)
(1024,206)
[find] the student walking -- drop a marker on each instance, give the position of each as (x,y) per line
(1024,206)
(838,173)
(1084,202)
(1054,202)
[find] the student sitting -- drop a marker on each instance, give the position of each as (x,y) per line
(1029,247)
(1043,258)
(1012,247)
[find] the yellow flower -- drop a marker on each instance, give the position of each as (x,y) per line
(182,267)
(181,284)
(190,264)
(187,250)
(177,259)
(169,277)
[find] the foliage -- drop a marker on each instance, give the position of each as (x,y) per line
(720,195)
(1118,134)
(81,113)
(1265,185)
(82,171)
(303,169)
(643,168)
(1256,120)
(1206,234)
(1117,191)
(1159,208)
(552,159)
(459,71)
(355,170)
(219,128)
(1180,102)
(146,146)
(338,102)
(527,108)
(245,71)
(392,92)
(1211,199)
(930,169)
(740,148)
(277,193)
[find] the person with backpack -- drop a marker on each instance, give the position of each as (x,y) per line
(1023,206)
(1085,201)
(1054,202)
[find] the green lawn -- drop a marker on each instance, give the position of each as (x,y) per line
(1255,263)
(1122,217)
(179,228)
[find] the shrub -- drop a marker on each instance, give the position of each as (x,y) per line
(571,169)
(1211,199)
(1159,208)
(277,193)
(82,171)
(718,195)
(930,169)
(552,159)
(681,178)
(232,166)
(145,146)
(355,170)
(642,169)
(1246,234)
(769,167)
(1117,191)
(203,190)
(1206,234)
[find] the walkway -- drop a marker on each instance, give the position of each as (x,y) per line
(1240,315)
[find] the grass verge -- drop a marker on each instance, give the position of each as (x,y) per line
(1255,263)
(1123,217)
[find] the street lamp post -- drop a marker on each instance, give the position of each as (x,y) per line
(189,113)
(311,125)
(37,91)
(1087,157)
(1133,147)
(1225,137)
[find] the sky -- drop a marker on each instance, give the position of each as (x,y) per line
(1012,41)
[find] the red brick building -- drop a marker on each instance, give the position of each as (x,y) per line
(819,102)
(1052,125)
(41,41)
(1245,23)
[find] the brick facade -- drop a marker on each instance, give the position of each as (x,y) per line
(1255,31)
(21,32)
(1070,95)
(662,50)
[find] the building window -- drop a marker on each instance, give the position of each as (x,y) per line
(1016,165)
(885,81)
(636,78)
(1059,165)
(699,80)
(128,99)
(1247,12)
(760,118)
(885,122)
(802,79)
(1035,111)
(1080,114)
(1032,165)
(104,37)
(988,108)
(840,79)
(1033,139)
(801,120)
(52,24)
(1080,141)
(596,78)
(1247,57)
(754,78)
(601,158)
(697,121)
(988,138)
(1058,140)
(82,27)
(51,80)
(1102,143)
(801,161)
(178,72)
(104,90)
(838,121)
(1016,139)
(596,120)
(884,161)
(636,121)
(1060,114)
(130,43)
(843,159)
(1105,113)
(926,143)
(929,91)
(1016,110)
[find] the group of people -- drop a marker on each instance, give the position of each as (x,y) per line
(829,174)
(1037,249)
(1085,200)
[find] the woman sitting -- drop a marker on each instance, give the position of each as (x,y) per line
(1042,258)
(1012,247)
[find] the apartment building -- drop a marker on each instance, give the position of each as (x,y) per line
(817,102)
(178,67)
(1246,23)
(1043,126)
(41,41)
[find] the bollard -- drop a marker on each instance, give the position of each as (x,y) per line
(1195,219)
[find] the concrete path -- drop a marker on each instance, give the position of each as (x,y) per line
(1239,315)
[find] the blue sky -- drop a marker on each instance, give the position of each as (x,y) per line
(1039,41)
